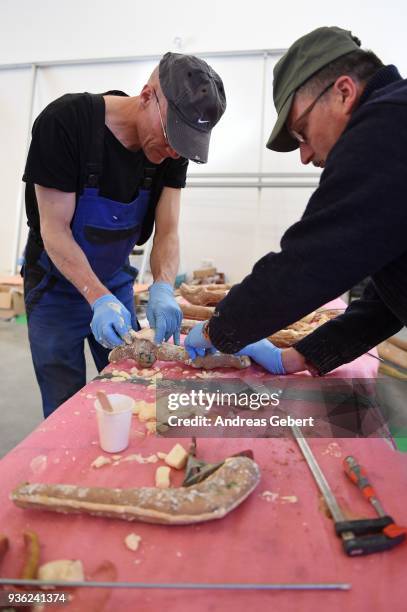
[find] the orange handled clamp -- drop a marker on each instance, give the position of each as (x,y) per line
(359,477)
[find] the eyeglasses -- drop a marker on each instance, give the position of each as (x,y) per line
(298,135)
(161,117)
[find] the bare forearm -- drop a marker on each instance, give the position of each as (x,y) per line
(164,259)
(71,261)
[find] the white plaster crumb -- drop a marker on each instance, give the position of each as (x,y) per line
(76,412)
(132,541)
(73,458)
(94,442)
(333,450)
(67,452)
(178,554)
(289,499)
(137,561)
(116,457)
(151,427)
(140,459)
(161,455)
(269,496)
(38,464)
(124,374)
(100,461)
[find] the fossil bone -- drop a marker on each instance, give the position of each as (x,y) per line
(145,352)
(201,296)
(213,498)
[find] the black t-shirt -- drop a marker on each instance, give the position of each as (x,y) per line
(59,152)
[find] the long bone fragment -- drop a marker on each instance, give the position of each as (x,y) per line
(201,296)
(212,498)
(143,350)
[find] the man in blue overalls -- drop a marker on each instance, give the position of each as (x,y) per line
(102,170)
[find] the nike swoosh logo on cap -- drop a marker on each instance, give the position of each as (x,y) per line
(203,121)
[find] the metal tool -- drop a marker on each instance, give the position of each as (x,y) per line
(371,535)
(217,586)
(358,476)
(197,470)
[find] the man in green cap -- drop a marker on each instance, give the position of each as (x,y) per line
(347,113)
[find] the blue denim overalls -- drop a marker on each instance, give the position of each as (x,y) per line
(58,316)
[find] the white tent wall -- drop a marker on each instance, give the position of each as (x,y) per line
(233,226)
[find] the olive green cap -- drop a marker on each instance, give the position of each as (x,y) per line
(304,58)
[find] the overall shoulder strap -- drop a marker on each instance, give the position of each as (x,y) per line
(94,165)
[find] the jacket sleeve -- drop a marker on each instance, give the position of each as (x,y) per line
(364,324)
(355,224)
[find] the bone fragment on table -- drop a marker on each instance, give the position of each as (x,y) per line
(173,352)
(213,498)
(67,570)
(201,313)
(163,477)
(215,286)
(177,457)
(200,296)
(132,541)
(402,344)
(188,324)
(393,353)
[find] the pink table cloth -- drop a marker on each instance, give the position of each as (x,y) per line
(280,534)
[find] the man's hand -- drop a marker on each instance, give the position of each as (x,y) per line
(196,344)
(164,313)
(111,322)
(265,354)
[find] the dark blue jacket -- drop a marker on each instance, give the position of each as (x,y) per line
(354,226)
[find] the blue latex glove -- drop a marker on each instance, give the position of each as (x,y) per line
(196,344)
(265,354)
(111,322)
(164,313)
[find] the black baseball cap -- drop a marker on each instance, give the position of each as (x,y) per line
(303,59)
(196,101)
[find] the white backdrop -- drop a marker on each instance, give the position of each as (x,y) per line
(232,226)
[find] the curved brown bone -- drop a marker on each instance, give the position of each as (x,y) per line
(213,498)
(201,313)
(201,296)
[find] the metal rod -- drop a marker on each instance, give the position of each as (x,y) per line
(254,185)
(228,586)
(253,175)
(318,475)
(138,58)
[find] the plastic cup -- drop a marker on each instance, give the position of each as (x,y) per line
(114,427)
